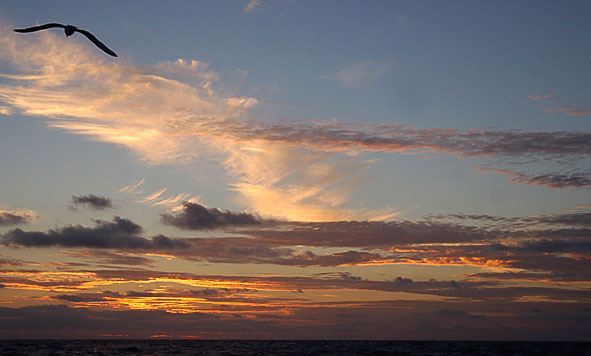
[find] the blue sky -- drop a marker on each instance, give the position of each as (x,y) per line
(327,140)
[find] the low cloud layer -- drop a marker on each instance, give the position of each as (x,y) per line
(553,244)
(369,321)
(284,307)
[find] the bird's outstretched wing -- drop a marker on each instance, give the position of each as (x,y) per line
(98,43)
(39,28)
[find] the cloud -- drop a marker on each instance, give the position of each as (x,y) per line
(359,74)
(132,188)
(366,234)
(476,240)
(175,200)
(577,219)
(92,201)
(569,110)
(291,182)
(289,169)
(399,138)
(197,217)
(5,110)
(121,233)
(16,217)
(550,180)
(158,198)
(188,69)
(111,257)
(252,6)
(152,197)
(538,97)
(370,320)
(90,96)
(578,246)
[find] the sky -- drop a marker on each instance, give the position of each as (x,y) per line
(251,169)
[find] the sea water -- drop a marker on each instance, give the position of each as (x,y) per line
(276,347)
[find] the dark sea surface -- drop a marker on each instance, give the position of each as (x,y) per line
(258,348)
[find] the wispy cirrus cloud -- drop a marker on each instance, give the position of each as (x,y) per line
(158,198)
(133,188)
(569,110)
(174,202)
(292,169)
(153,197)
(188,69)
(360,74)
(252,6)
(538,97)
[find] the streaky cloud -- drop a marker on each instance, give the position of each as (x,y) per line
(132,188)
(550,180)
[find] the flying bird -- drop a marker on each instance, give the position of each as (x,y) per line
(69,30)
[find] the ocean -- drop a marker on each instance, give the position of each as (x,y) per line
(300,348)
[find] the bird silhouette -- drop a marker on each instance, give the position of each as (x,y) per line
(69,30)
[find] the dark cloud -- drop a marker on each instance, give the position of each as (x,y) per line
(336,259)
(447,320)
(120,234)
(482,217)
(500,241)
(550,180)
(398,137)
(78,298)
(582,219)
(11,262)
(198,217)
(92,201)
(110,257)
(537,276)
(578,220)
(401,281)
(480,287)
(349,277)
(554,180)
(14,218)
(579,246)
(6,218)
(221,295)
(366,234)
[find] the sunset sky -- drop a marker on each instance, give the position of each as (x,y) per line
(256,169)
